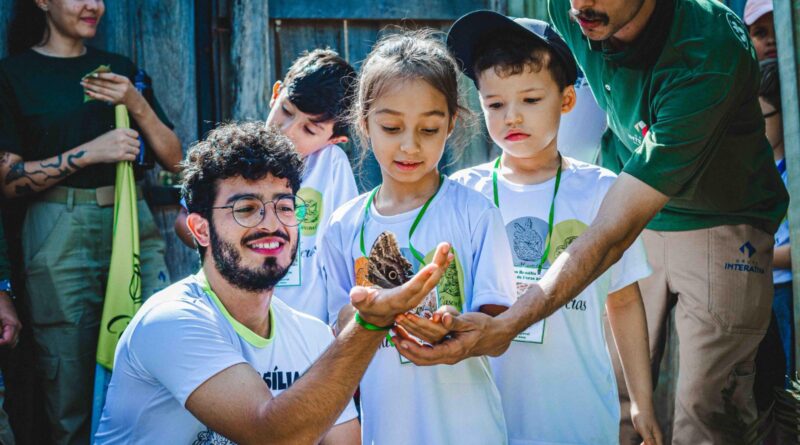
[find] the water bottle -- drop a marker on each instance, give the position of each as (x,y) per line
(142,84)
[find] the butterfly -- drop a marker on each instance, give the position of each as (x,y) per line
(387,266)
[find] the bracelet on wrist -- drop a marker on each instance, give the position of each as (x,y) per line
(369,326)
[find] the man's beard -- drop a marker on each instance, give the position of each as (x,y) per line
(228,262)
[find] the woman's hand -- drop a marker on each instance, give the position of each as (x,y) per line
(429,330)
(121,144)
(114,89)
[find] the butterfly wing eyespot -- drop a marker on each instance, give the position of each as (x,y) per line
(387,266)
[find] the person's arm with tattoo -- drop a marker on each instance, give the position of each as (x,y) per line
(19,177)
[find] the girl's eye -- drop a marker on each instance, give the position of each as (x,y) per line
(285,111)
(430,130)
(495,106)
(390,129)
(308,130)
(531,100)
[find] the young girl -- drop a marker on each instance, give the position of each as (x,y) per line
(405,109)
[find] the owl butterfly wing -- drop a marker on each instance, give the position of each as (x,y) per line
(387,266)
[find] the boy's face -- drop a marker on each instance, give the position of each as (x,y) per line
(523,111)
(306,133)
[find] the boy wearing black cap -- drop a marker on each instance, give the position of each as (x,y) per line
(556,379)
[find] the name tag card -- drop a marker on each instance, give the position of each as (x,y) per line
(526,276)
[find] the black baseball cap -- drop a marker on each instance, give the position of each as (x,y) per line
(475,27)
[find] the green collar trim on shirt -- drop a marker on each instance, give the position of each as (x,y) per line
(243,331)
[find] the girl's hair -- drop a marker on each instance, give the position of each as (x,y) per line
(28,27)
(410,55)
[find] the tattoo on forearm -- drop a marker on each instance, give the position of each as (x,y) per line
(57,169)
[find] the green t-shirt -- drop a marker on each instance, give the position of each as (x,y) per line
(43,113)
(682,103)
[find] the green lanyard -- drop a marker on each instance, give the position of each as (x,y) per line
(414,251)
(496,196)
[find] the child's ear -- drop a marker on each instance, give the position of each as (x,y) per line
(276,91)
(200,229)
(338,140)
(568,99)
(452,125)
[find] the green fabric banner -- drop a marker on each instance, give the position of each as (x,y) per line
(124,289)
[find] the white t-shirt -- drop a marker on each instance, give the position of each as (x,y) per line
(400,402)
(559,389)
(327,184)
(181,337)
(581,130)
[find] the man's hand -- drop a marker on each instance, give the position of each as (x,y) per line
(646,425)
(471,334)
(380,306)
(8,321)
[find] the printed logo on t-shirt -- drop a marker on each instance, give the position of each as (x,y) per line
(209,437)
(564,233)
(451,286)
(528,236)
(738,30)
(313,199)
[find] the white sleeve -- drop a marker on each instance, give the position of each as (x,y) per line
(492,265)
(632,267)
(337,270)
(181,346)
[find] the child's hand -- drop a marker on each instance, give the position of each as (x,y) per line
(429,330)
(645,423)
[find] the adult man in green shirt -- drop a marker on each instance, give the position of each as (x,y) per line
(696,170)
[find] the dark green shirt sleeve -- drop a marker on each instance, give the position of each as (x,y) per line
(690,120)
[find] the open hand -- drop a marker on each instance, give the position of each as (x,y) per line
(380,306)
(429,330)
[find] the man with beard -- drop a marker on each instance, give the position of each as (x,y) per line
(679,82)
(215,357)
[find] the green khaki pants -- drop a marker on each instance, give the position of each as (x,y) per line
(67,250)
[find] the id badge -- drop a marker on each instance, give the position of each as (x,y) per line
(526,276)
(293,277)
(425,310)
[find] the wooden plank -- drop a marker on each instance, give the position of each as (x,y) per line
(375,10)
(532,9)
(116,33)
(165,43)
(292,37)
(250,60)
(6,12)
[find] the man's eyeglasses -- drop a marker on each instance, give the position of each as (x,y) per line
(249,211)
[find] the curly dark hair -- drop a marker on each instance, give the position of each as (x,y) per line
(249,149)
(320,83)
(513,53)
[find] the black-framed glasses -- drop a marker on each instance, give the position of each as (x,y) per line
(249,211)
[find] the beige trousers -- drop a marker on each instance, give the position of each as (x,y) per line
(720,282)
